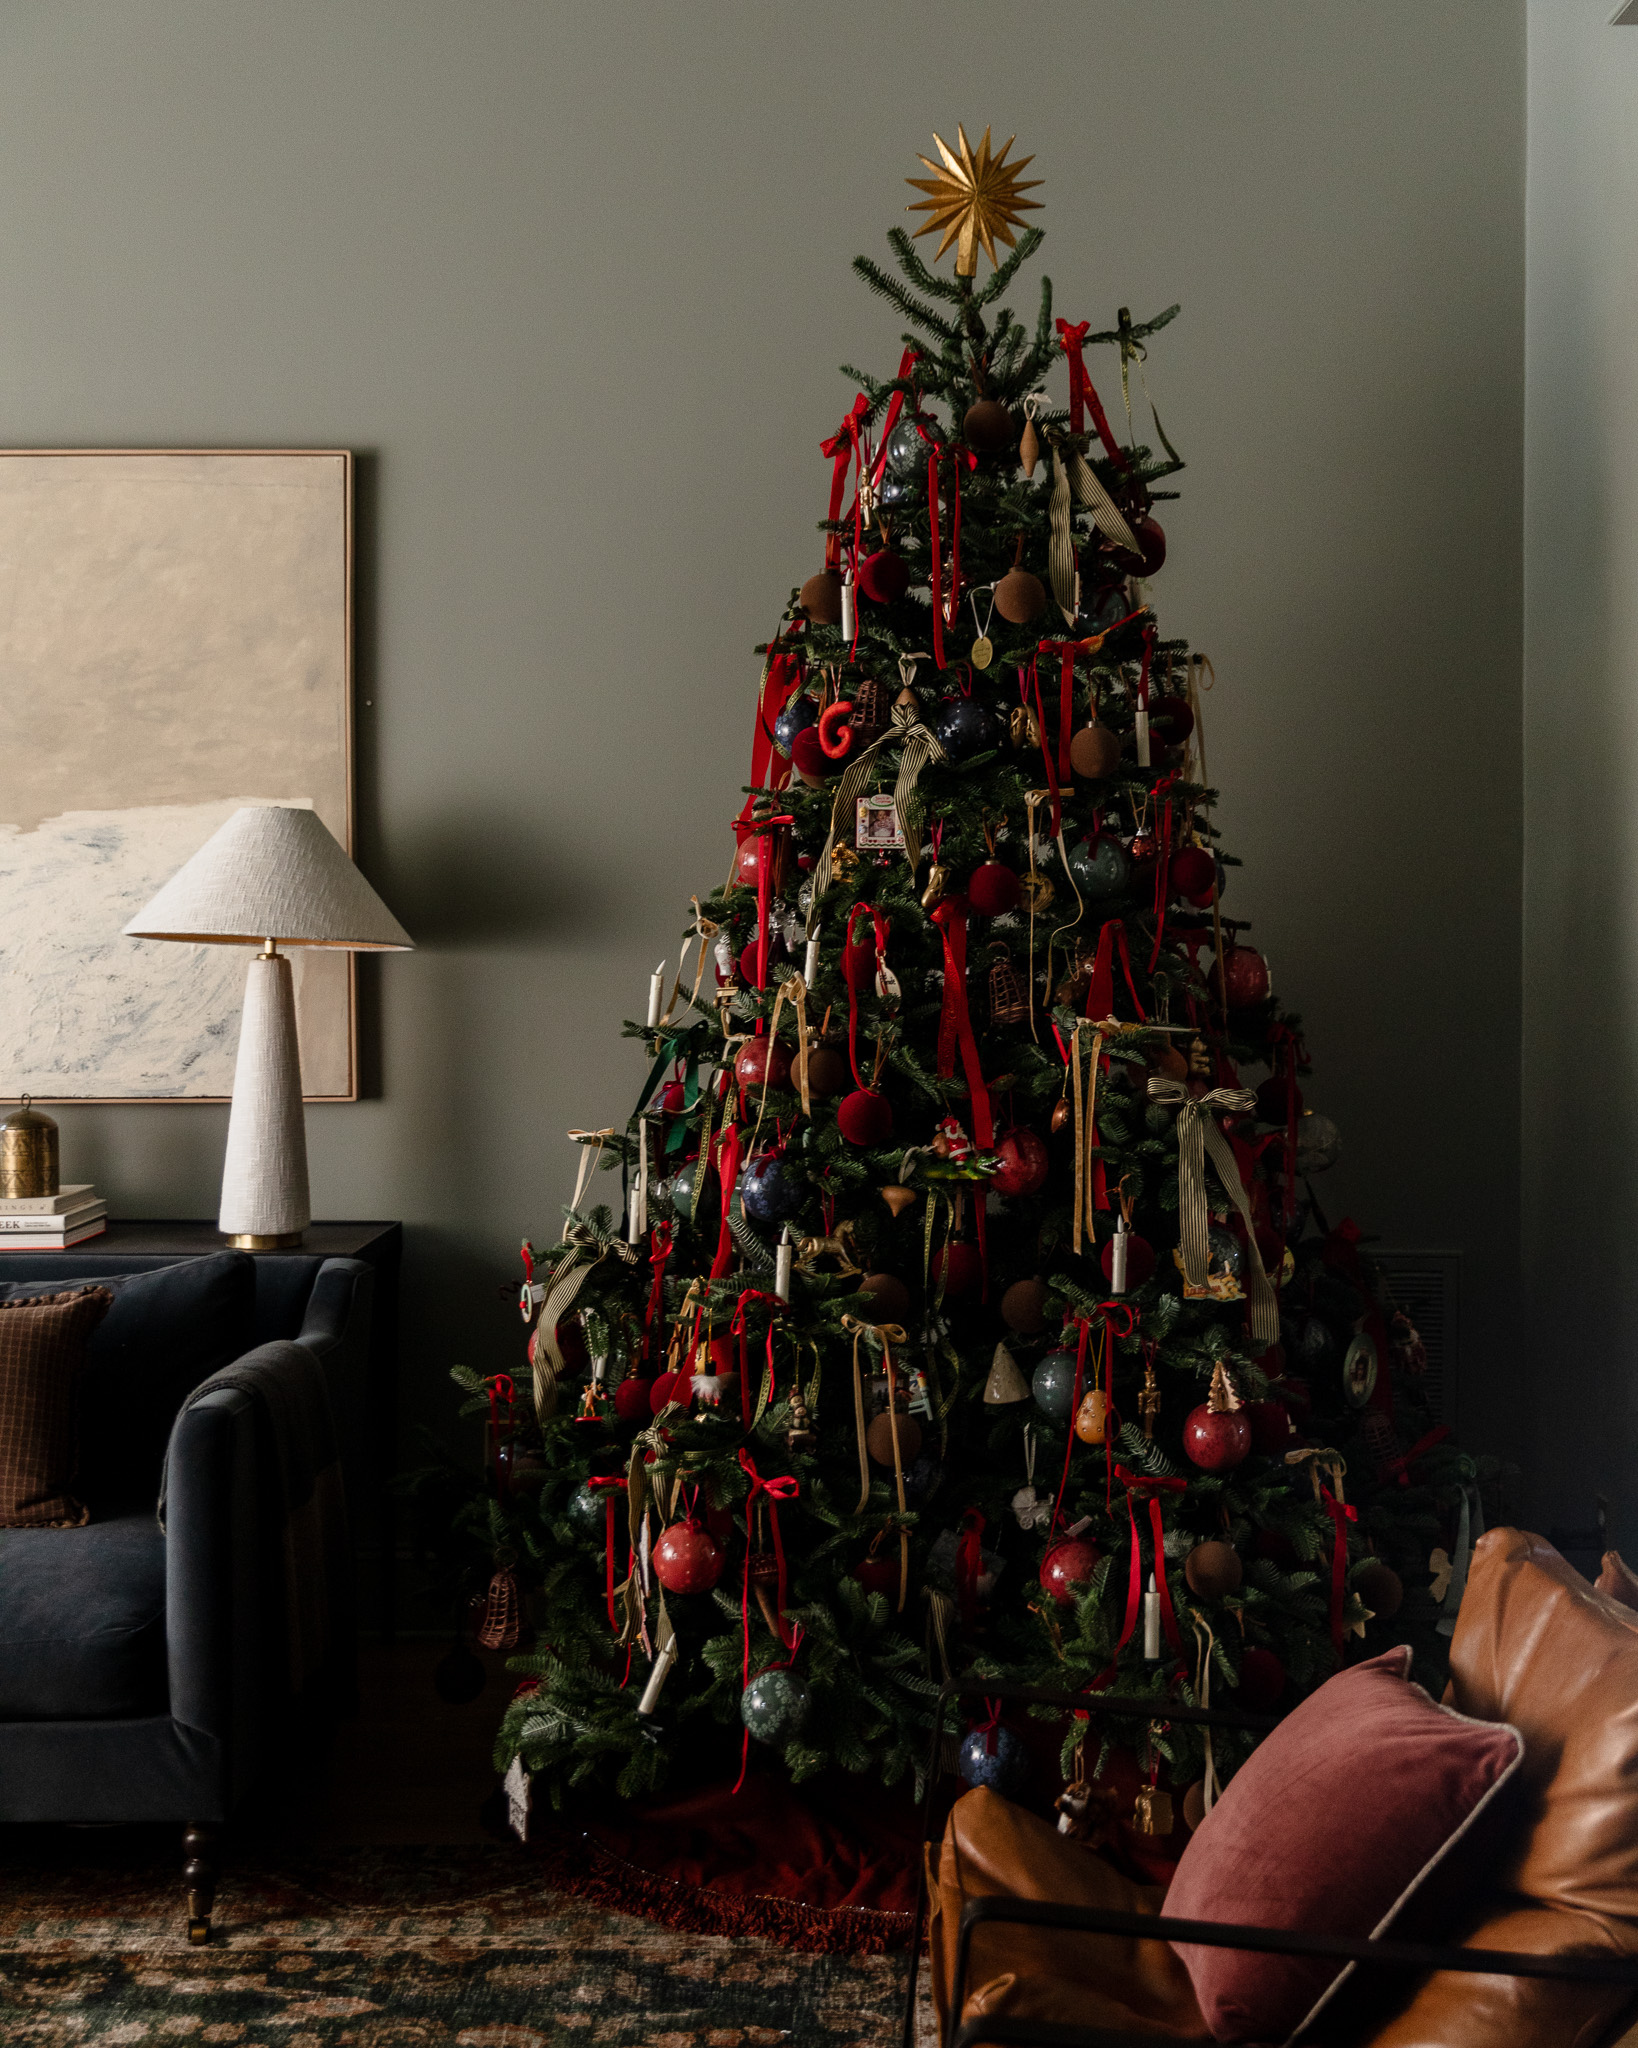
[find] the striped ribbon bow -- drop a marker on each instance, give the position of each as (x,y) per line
(920,747)
(1197,1134)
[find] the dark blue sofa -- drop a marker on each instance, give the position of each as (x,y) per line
(142,1673)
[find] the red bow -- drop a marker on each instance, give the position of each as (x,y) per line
(1137,1483)
(895,405)
(1082,397)
(501,1389)
(659,1253)
(780,682)
(955,1023)
(609,1487)
(843,445)
(1340,1515)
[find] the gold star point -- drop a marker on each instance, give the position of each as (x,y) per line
(975,198)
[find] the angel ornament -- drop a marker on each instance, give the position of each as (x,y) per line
(1027,1504)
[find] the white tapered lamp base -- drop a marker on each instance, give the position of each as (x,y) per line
(264,1176)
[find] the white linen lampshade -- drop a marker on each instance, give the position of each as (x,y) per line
(271,876)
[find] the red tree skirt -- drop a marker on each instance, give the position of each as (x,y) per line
(829,1867)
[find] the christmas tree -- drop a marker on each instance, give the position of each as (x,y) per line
(963,1308)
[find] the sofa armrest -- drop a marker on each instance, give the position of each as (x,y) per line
(216,1570)
(337,1318)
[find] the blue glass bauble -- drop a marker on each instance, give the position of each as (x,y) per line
(774,1706)
(1315,1346)
(682,1190)
(768,1190)
(1100,866)
(588,1513)
(907,452)
(1053,1384)
(898,490)
(1107,604)
(1225,1251)
(797,716)
(921,1480)
(964,728)
(1004,1769)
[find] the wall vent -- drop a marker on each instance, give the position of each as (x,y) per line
(1428,1287)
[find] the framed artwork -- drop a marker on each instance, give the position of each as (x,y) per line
(175,642)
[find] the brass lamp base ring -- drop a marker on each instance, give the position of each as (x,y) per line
(252,1241)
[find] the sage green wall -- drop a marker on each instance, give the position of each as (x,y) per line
(1581,755)
(574,281)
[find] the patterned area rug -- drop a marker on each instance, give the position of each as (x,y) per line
(390,1948)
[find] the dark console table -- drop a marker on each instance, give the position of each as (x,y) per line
(379,1245)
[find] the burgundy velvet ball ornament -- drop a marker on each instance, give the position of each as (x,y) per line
(987,427)
(1262,1680)
(1193,871)
(633,1402)
(762,1062)
(1217,1434)
(1271,1099)
(687,1558)
(660,1389)
(808,754)
(1245,977)
(865,1118)
(671,1099)
(884,577)
(1151,548)
(993,889)
(1171,720)
(1067,1568)
(1024,1163)
(879,1575)
(961,1270)
(1140,1259)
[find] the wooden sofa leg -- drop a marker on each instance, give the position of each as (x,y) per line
(199,1875)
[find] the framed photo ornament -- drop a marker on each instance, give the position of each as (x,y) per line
(876,827)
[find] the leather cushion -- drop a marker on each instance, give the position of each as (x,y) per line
(82,1621)
(165,1332)
(992,1847)
(1332,1825)
(43,1340)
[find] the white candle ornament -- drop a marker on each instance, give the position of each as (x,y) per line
(656,995)
(1151,1620)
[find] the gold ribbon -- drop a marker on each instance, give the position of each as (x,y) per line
(549,1363)
(920,747)
(1075,479)
(1202,1692)
(888,1335)
(794,990)
(1320,1458)
(1085,1124)
(940,1615)
(588,1139)
(1197,1134)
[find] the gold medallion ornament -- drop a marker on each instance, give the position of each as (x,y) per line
(974,199)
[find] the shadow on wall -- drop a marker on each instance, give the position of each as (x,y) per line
(496,883)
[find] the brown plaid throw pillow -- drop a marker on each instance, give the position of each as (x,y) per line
(42,1352)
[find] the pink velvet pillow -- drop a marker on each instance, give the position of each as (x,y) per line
(1331,1826)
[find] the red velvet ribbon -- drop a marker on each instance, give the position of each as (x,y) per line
(895,406)
(737,1328)
(859,965)
(968,1563)
(763,830)
(659,1253)
(1100,994)
(609,1488)
(1083,1323)
(1082,397)
(1066,651)
(1399,1468)
(783,679)
(1341,1516)
(501,1388)
(775,1490)
(955,1022)
(990,1723)
(1164,818)
(843,447)
(1288,1056)
(727,1149)
(1030,680)
(1136,1483)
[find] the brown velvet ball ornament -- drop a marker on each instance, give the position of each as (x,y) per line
(987,427)
(828,1073)
(1094,752)
(1020,597)
(1213,1569)
(879,1440)
(1381,1588)
(821,598)
(888,1299)
(1023,1307)
(1172,1063)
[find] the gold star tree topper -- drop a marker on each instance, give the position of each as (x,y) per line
(975,198)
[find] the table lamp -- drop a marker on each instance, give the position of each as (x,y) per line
(271,876)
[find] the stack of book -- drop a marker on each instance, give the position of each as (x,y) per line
(51,1223)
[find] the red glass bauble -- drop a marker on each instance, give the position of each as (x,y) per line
(961,1269)
(1140,1259)
(748,861)
(671,1099)
(1193,871)
(1217,1443)
(687,1559)
(884,577)
(807,754)
(1245,977)
(993,889)
(1066,1568)
(762,1062)
(1262,1679)
(660,1392)
(1270,1428)
(1151,547)
(865,1118)
(1024,1162)
(632,1402)
(879,1575)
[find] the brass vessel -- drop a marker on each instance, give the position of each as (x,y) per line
(28,1154)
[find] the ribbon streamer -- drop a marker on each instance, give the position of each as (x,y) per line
(1210,1788)
(1137,1485)
(609,1488)
(969,1563)
(775,1490)
(1100,994)
(1341,1515)
(737,1328)
(1197,1134)
(1073,482)
(955,1029)
(1082,397)
(842,447)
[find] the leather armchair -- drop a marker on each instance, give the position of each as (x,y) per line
(142,1668)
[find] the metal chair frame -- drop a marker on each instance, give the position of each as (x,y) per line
(1003,2032)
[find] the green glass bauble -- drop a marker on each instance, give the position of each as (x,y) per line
(587,1513)
(682,1190)
(774,1706)
(1053,1384)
